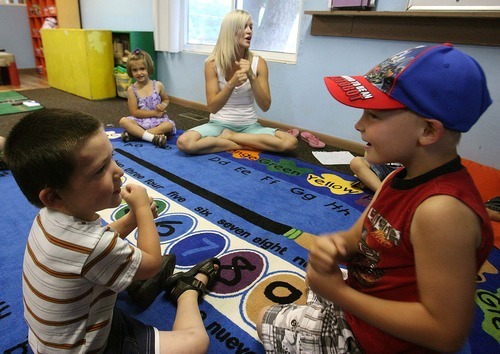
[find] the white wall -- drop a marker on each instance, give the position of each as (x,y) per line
(298,92)
(117,15)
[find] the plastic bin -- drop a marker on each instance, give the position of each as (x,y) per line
(123,81)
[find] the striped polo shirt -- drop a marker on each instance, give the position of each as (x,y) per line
(72,272)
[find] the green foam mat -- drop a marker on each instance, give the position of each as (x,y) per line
(12,102)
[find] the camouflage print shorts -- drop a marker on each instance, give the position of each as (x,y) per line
(317,327)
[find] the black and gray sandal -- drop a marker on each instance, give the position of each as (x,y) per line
(144,292)
(187,283)
(178,283)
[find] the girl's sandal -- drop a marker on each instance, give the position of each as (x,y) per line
(178,283)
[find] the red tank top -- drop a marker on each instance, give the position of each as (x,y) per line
(384,266)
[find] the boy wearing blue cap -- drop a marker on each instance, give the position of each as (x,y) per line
(425,223)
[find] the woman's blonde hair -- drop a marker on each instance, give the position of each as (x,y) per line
(226,48)
(139,54)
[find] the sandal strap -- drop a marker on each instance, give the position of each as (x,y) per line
(209,270)
(185,284)
(160,140)
(177,283)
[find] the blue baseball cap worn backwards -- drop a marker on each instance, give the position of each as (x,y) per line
(436,81)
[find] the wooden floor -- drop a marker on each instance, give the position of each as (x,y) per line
(29,80)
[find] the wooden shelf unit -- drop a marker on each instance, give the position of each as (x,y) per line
(131,40)
(458,27)
(67,14)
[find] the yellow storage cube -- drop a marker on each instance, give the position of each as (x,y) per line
(80,61)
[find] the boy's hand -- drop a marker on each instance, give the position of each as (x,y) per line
(325,253)
(135,196)
(325,285)
(154,207)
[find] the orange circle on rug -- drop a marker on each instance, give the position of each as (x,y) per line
(277,288)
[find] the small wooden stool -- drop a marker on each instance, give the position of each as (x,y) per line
(8,60)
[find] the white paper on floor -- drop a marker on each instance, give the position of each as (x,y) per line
(333,157)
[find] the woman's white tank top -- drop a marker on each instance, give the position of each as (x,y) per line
(239,108)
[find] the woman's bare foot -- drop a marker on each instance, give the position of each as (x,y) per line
(226,134)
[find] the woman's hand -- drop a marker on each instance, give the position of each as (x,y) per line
(243,73)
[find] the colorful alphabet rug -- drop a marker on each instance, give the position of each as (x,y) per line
(256,211)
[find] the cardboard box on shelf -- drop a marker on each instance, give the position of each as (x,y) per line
(351,4)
